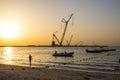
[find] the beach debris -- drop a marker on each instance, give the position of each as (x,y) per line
(108,54)
(23,68)
(86,78)
(47,66)
(12,69)
(33,67)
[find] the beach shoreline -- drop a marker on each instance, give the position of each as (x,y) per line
(13,72)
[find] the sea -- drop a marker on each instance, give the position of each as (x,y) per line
(42,56)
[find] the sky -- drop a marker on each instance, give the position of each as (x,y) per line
(93,21)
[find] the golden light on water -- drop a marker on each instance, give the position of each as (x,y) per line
(8,55)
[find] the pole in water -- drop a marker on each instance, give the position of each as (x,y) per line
(30,59)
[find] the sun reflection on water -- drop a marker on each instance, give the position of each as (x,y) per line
(8,55)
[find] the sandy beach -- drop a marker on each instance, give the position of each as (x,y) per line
(10,72)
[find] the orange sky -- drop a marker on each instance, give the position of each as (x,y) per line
(94,21)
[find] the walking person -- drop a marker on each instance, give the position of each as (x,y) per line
(30,59)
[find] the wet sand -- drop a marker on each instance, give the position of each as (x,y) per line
(10,72)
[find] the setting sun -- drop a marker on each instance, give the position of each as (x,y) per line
(9,29)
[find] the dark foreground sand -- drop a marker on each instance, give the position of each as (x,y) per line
(9,72)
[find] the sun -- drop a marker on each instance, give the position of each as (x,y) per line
(9,30)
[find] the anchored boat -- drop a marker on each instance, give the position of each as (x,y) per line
(99,50)
(93,51)
(63,54)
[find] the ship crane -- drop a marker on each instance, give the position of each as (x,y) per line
(69,42)
(66,21)
(54,37)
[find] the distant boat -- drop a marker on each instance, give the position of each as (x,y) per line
(93,51)
(106,49)
(99,50)
(63,54)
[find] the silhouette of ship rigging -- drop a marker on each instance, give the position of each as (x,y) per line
(60,42)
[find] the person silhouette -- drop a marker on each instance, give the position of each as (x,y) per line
(30,59)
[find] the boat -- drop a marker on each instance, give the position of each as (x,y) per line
(93,51)
(99,50)
(106,50)
(63,54)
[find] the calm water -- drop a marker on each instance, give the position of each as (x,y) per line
(43,55)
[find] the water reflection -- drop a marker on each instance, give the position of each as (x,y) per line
(8,54)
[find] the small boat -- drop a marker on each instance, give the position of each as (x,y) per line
(63,54)
(93,51)
(99,50)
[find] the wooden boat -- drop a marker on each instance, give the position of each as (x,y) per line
(93,51)
(63,54)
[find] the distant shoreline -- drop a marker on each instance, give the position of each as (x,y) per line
(57,46)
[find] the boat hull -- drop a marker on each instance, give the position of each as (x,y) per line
(93,51)
(70,54)
(99,50)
